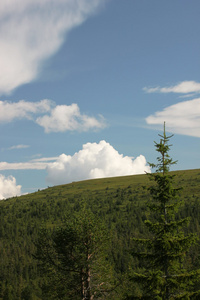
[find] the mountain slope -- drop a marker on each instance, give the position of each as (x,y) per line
(120,202)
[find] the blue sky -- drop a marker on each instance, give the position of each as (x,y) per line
(85,86)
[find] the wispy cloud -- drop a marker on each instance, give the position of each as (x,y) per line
(182,118)
(183,87)
(8,187)
(44,159)
(23,166)
(18,147)
(31,31)
(10,111)
(60,118)
(33,164)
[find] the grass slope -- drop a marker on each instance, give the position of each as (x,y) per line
(188,179)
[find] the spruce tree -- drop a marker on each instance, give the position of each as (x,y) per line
(164,275)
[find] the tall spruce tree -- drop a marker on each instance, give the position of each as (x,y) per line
(164,275)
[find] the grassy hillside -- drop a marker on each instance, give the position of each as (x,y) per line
(121,204)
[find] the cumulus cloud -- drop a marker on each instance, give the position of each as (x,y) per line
(31,31)
(60,118)
(94,161)
(182,118)
(8,187)
(64,117)
(183,87)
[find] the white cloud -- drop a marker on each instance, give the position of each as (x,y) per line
(94,161)
(31,31)
(30,165)
(64,117)
(61,117)
(18,147)
(10,111)
(183,87)
(182,118)
(34,164)
(8,187)
(44,159)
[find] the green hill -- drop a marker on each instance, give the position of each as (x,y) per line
(120,202)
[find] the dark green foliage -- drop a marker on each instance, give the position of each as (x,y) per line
(166,274)
(120,204)
(74,257)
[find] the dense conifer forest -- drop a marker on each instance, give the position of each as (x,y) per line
(120,205)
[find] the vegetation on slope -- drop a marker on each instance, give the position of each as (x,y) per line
(119,202)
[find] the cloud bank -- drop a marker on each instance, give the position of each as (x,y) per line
(31,31)
(94,161)
(54,118)
(183,87)
(182,118)
(8,187)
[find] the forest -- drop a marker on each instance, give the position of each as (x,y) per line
(63,241)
